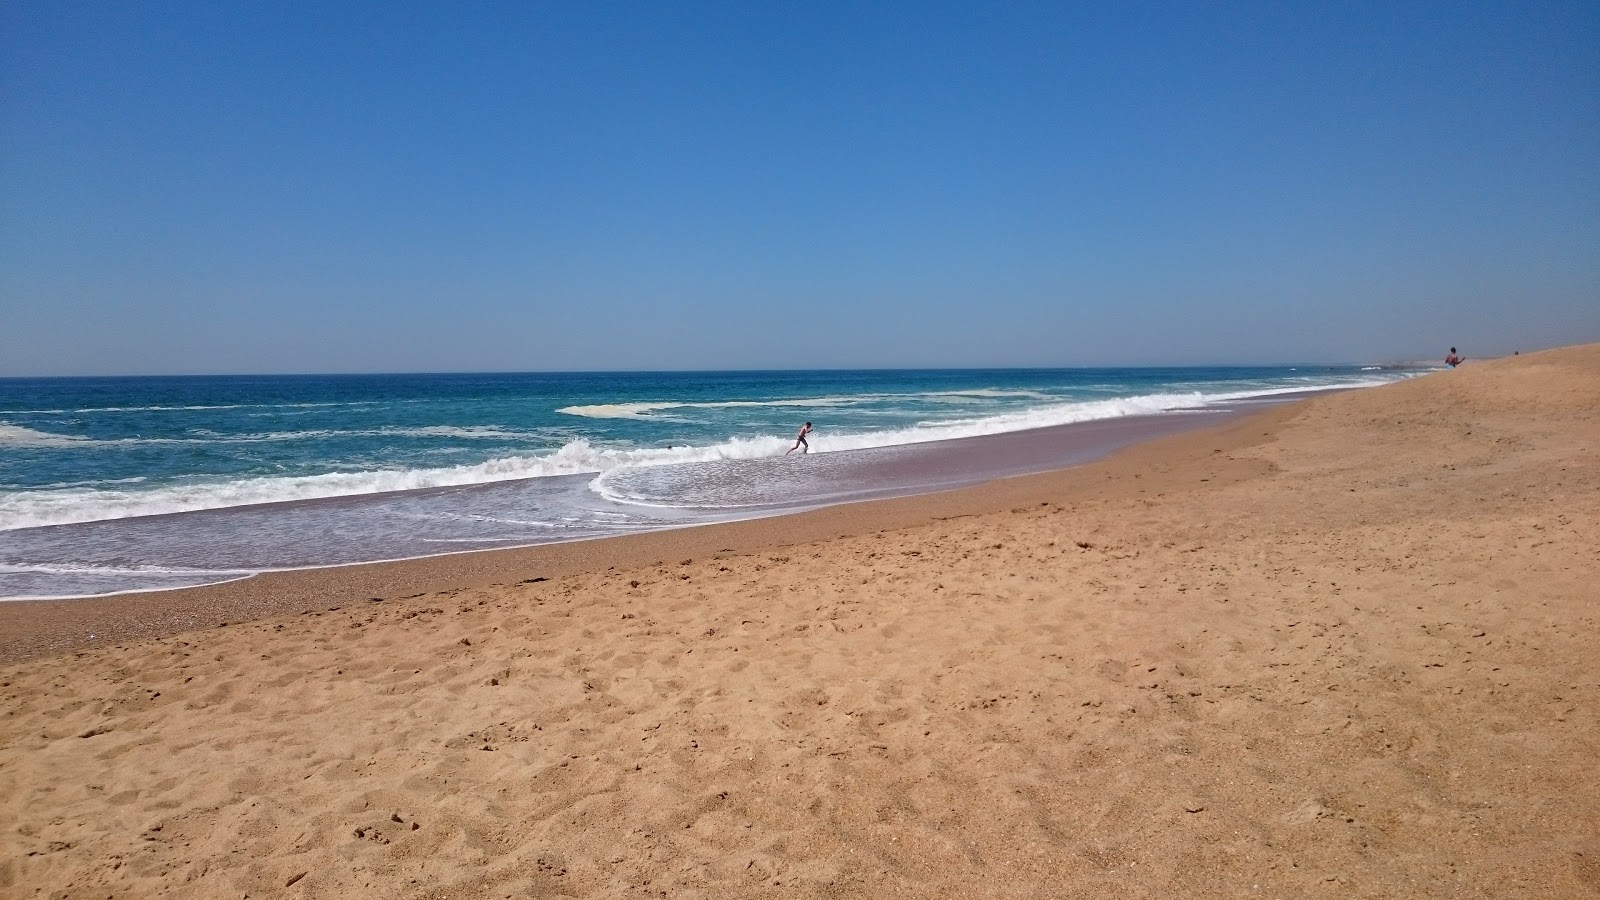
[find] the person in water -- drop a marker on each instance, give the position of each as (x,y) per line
(800,440)
(1453,360)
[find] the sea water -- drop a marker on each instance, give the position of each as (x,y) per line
(123,484)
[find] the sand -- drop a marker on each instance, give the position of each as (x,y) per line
(1349,647)
(43,628)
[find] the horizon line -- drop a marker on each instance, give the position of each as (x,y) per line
(1394,364)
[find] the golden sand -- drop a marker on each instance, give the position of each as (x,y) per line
(1347,648)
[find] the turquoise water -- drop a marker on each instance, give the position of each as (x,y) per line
(115,484)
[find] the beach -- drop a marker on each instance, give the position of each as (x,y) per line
(1348,646)
(125,485)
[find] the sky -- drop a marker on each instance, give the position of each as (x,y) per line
(376,187)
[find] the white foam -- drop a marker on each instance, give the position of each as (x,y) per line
(94,409)
(144,570)
(987,393)
(101,409)
(18,436)
(1020,420)
(28,509)
(136,479)
(33,508)
(469,432)
(65,581)
(616,410)
(643,410)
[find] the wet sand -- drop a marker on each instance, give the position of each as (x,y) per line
(1347,647)
(34,628)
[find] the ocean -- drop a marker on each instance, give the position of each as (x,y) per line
(112,485)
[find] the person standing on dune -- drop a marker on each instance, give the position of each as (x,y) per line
(800,441)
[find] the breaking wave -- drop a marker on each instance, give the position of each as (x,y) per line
(643,410)
(19,436)
(33,508)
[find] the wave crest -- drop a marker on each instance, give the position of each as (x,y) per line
(643,410)
(34,508)
(18,436)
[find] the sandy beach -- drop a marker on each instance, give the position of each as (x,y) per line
(1348,647)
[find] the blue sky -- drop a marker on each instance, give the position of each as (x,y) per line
(278,187)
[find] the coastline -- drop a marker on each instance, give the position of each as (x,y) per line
(38,627)
(1342,647)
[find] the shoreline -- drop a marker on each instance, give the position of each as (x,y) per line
(31,628)
(333,460)
(1346,647)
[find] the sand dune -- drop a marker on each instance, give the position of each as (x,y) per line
(1345,648)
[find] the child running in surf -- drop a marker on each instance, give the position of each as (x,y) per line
(800,440)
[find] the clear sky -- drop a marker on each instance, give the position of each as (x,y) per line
(333,187)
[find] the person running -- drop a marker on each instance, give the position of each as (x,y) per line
(1453,360)
(800,440)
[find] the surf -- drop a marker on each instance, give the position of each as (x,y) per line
(59,506)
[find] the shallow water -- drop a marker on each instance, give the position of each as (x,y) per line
(165,485)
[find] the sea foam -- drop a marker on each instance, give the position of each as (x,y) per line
(34,508)
(18,436)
